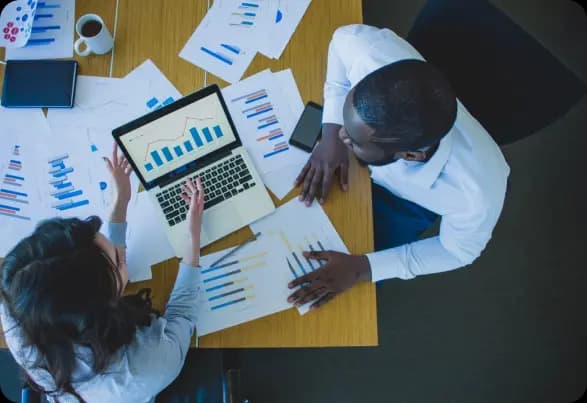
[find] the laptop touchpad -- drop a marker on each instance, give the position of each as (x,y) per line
(220,222)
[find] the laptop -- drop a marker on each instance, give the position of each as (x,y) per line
(195,136)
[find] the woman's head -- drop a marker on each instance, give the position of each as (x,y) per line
(63,285)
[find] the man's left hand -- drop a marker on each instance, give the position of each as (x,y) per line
(339,273)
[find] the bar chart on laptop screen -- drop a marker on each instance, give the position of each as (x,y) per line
(179,138)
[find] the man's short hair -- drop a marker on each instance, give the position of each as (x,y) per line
(409,104)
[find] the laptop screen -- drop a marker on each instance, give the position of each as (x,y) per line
(177,139)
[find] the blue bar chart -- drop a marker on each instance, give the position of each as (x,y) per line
(46,26)
(228,284)
(65,195)
(297,263)
(155,104)
(225,54)
(258,108)
(245,14)
(12,198)
(199,138)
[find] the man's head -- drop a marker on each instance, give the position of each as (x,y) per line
(398,111)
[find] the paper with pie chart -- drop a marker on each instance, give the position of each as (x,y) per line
(16,23)
(227,39)
(287,17)
(46,33)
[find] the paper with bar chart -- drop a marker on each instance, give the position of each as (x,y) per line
(156,91)
(264,120)
(21,207)
(209,49)
(245,21)
(316,234)
(90,145)
(76,179)
(245,286)
(51,33)
(179,138)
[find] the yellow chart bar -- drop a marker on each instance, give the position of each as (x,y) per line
(285,241)
(246,259)
(253,266)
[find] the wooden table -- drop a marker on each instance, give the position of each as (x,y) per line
(156,30)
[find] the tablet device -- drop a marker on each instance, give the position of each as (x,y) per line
(39,83)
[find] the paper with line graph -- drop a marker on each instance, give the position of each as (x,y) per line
(100,102)
(297,228)
(247,285)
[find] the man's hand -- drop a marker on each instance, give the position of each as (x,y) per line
(340,273)
(329,156)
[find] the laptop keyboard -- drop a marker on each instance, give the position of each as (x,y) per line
(221,182)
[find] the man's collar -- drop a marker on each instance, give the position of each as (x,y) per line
(426,173)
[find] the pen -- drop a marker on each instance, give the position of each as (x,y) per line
(253,238)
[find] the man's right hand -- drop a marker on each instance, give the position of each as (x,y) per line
(329,157)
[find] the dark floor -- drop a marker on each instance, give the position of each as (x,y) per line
(510,328)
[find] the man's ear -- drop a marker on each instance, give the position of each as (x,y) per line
(413,155)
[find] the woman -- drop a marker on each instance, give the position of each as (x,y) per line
(65,319)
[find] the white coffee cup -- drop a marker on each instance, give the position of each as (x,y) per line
(93,32)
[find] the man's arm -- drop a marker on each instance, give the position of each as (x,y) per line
(331,155)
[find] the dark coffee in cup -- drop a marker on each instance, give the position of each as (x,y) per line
(91,28)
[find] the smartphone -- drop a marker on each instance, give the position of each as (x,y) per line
(39,83)
(308,129)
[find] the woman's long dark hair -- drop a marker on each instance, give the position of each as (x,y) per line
(63,290)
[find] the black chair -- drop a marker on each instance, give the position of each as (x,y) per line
(502,75)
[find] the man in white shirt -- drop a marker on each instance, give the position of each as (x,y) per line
(427,155)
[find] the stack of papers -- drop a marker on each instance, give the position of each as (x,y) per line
(233,31)
(265,108)
(54,167)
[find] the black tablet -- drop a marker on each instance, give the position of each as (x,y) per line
(39,83)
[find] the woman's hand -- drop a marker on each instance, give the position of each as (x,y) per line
(194,196)
(120,170)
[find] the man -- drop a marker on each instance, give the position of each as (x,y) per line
(427,155)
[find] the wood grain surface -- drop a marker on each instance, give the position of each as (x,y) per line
(154,29)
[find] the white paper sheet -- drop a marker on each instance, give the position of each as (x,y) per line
(86,147)
(208,49)
(288,16)
(247,285)
(100,102)
(156,90)
(265,108)
(245,21)
(146,241)
(52,32)
(281,181)
(292,239)
(264,119)
(21,206)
